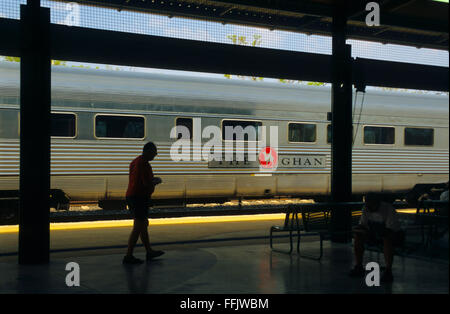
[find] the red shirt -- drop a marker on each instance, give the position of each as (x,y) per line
(140,178)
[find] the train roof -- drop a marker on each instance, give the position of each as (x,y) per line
(271,96)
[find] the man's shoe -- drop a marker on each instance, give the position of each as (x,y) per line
(131,260)
(152,254)
(387,277)
(357,271)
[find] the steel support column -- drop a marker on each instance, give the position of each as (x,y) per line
(34,227)
(341,108)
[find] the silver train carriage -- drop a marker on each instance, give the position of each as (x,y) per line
(102,118)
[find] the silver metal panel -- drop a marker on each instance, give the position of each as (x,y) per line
(305,183)
(255,185)
(88,168)
(207,185)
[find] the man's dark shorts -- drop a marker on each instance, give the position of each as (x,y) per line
(138,205)
(377,232)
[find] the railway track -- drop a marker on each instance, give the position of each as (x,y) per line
(79,212)
(91,212)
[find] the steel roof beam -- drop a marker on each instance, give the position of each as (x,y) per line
(107,47)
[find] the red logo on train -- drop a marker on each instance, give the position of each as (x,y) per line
(268,157)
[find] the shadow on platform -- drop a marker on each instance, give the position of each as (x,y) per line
(229,269)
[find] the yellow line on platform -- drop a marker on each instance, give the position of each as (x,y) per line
(153,222)
(407,211)
(160,221)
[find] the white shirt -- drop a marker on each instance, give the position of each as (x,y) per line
(444,196)
(386,214)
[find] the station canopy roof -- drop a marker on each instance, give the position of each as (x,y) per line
(419,23)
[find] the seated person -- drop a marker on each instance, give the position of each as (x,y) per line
(444,196)
(378,224)
(443,210)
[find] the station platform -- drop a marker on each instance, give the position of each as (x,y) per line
(232,260)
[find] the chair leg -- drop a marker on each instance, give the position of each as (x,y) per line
(290,242)
(278,250)
(310,256)
(321,247)
(270,238)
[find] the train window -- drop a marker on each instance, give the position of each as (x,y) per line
(119,126)
(186,122)
(419,136)
(240,130)
(63,124)
(379,135)
(329,134)
(302,132)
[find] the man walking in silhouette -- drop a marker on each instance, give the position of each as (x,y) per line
(141,186)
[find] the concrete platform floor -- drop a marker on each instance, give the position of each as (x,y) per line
(224,269)
(204,256)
